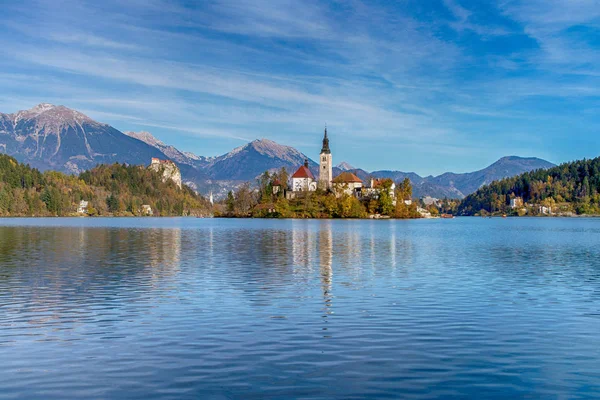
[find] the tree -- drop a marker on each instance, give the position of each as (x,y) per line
(433,210)
(52,198)
(404,190)
(112,202)
(351,207)
(283,178)
(386,203)
(244,200)
(230,202)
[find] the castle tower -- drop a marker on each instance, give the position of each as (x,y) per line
(325,165)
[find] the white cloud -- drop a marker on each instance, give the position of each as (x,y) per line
(548,22)
(244,69)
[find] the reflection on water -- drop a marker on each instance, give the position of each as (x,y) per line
(190,308)
(325,251)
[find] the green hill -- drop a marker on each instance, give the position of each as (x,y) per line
(115,189)
(568,188)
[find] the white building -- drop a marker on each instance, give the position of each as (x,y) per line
(516,202)
(377,185)
(147,210)
(424,213)
(83,207)
(428,200)
(303,180)
(545,210)
(347,183)
(276,186)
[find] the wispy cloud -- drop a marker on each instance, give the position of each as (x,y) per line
(395,75)
(463,21)
(553,25)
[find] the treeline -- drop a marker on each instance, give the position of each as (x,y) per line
(264,202)
(571,187)
(115,189)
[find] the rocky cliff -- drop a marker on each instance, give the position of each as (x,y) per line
(168,169)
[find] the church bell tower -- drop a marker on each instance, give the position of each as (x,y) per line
(325,165)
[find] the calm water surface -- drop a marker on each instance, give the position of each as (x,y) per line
(249,309)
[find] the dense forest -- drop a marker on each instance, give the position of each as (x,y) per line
(570,188)
(116,189)
(247,201)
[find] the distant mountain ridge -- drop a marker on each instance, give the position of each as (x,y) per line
(569,189)
(56,137)
(170,151)
(249,161)
(505,167)
(466,183)
(453,185)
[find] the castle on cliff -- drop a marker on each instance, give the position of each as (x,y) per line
(168,169)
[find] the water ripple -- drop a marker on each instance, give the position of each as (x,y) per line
(191,308)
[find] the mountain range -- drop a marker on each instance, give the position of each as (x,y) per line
(59,138)
(56,137)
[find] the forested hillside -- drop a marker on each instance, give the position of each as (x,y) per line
(115,189)
(570,187)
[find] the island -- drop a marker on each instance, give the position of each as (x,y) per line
(305,196)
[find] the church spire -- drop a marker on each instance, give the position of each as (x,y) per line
(325,149)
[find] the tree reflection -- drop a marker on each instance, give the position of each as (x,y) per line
(60,272)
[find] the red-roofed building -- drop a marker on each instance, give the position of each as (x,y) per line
(378,184)
(348,183)
(303,180)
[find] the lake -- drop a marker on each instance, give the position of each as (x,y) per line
(250,309)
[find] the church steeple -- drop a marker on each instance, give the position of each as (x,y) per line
(325,149)
(325,164)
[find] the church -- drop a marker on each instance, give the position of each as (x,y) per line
(303,180)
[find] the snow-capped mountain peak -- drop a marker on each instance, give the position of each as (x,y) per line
(344,166)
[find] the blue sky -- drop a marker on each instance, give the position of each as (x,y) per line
(423,86)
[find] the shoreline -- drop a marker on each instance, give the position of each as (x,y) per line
(291,218)
(417,219)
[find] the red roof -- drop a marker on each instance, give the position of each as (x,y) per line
(378,182)
(276,182)
(303,172)
(347,177)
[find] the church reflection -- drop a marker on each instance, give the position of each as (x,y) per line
(312,247)
(326,264)
(303,247)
